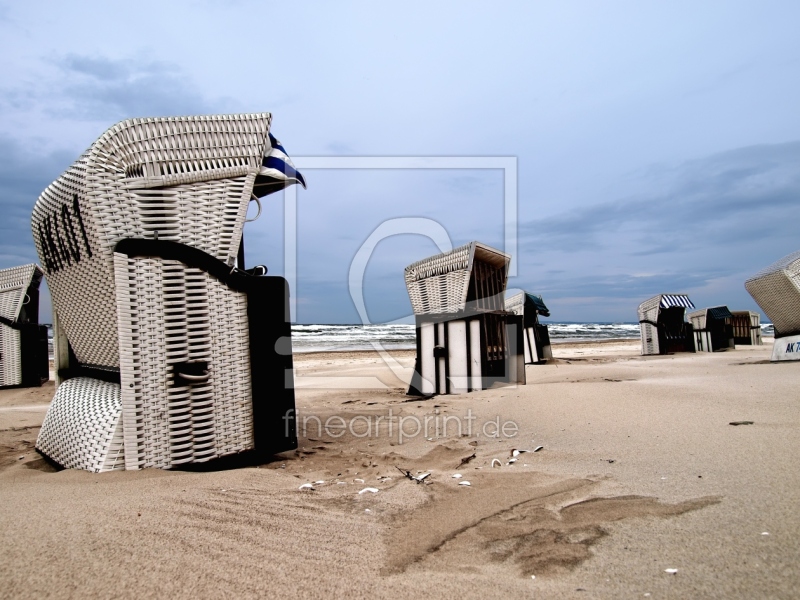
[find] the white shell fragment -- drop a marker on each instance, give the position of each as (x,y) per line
(538,448)
(370,490)
(512,460)
(422,477)
(457,476)
(320,482)
(671,571)
(306,486)
(464,483)
(765,533)
(358,480)
(499,464)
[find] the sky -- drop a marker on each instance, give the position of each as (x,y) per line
(656,146)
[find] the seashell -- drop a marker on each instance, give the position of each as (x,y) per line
(306,486)
(464,483)
(320,482)
(457,476)
(512,460)
(671,571)
(370,490)
(538,448)
(499,464)
(358,480)
(422,477)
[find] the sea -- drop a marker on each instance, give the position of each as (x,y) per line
(397,336)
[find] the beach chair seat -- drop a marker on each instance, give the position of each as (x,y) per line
(776,289)
(24,353)
(466,340)
(140,240)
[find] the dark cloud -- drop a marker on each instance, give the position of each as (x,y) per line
(726,199)
(107,89)
(24,173)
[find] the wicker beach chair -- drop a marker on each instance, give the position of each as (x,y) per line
(663,325)
(713,329)
(776,289)
(465,339)
(167,351)
(24,355)
(535,335)
(746,328)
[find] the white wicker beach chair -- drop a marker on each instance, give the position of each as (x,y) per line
(465,339)
(712,328)
(24,359)
(663,325)
(169,352)
(535,335)
(776,289)
(746,328)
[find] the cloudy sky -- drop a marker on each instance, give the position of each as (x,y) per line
(657,145)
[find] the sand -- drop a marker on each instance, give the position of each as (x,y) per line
(639,472)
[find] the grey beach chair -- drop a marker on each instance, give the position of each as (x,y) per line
(713,329)
(466,340)
(663,325)
(167,351)
(535,335)
(776,289)
(24,354)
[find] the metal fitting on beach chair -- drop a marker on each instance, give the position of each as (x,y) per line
(776,289)
(465,338)
(167,351)
(24,353)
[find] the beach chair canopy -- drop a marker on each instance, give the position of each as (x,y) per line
(701,318)
(524,304)
(471,277)
(649,309)
(181,179)
(776,289)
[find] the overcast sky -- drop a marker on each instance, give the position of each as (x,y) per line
(657,144)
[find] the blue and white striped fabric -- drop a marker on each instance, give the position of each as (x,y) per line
(277,171)
(670,300)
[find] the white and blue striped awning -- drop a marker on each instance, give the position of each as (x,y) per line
(277,171)
(670,300)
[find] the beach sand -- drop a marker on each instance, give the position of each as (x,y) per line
(640,471)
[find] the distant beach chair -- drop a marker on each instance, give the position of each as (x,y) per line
(24,355)
(167,351)
(465,339)
(776,289)
(535,335)
(713,329)
(746,328)
(663,325)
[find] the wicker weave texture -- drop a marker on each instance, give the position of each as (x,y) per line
(776,289)
(83,426)
(516,304)
(186,316)
(698,318)
(186,179)
(440,284)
